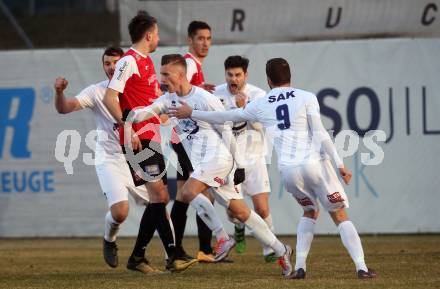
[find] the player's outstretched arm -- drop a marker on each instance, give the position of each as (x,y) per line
(144,113)
(322,138)
(62,104)
(213,117)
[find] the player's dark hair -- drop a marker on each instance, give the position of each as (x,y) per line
(112,51)
(194,26)
(237,61)
(175,59)
(278,71)
(140,24)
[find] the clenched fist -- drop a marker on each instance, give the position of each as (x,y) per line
(60,84)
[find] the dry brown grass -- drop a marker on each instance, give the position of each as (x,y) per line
(401,261)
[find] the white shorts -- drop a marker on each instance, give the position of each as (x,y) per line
(116,182)
(224,194)
(310,182)
(214,174)
(220,177)
(256,180)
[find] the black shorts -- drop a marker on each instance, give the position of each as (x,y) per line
(184,162)
(153,167)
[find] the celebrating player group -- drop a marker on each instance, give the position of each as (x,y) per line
(219,135)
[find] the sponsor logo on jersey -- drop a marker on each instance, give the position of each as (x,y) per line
(122,70)
(304,201)
(220,181)
(335,198)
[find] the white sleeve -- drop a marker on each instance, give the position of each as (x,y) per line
(86,97)
(153,110)
(320,136)
(225,130)
(219,117)
(191,68)
(259,94)
(125,68)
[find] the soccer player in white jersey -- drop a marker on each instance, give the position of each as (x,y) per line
(303,147)
(112,170)
(235,93)
(199,41)
(212,161)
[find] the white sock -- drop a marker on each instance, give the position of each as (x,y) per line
(304,238)
(350,239)
(269,222)
(266,249)
(207,213)
(263,234)
(111,228)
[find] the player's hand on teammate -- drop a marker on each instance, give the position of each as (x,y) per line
(132,140)
(182,111)
(209,87)
(345,175)
(136,142)
(60,84)
(241,99)
(239,176)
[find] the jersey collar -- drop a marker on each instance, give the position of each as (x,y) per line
(194,58)
(143,55)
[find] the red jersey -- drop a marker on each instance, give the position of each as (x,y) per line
(135,80)
(194,70)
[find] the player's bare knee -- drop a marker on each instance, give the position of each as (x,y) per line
(242,216)
(312,214)
(263,212)
(187,194)
(119,216)
(338,216)
(239,210)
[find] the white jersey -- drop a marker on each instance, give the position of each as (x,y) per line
(250,141)
(108,135)
(202,142)
(285,112)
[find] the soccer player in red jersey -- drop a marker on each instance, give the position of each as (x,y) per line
(134,83)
